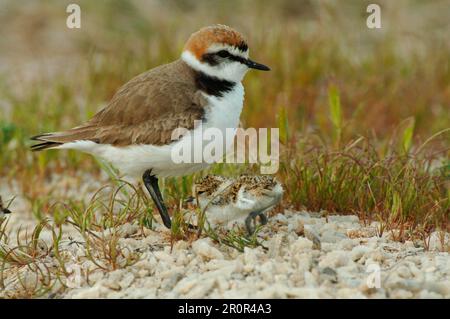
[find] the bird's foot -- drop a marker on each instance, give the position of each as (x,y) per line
(250,221)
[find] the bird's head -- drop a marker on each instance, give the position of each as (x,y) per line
(221,52)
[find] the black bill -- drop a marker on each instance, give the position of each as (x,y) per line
(255,65)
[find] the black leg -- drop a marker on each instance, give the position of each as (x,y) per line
(151,183)
(251,220)
(262,218)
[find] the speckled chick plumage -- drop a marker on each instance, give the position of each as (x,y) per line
(227,200)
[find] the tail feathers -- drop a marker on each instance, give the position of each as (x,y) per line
(46,142)
(44,146)
(51,140)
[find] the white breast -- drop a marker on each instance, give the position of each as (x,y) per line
(224,112)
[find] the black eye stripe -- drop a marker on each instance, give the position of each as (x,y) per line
(215,58)
(210,58)
(223,53)
(226,54)
(236,58)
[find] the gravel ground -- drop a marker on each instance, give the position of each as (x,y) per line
(304,255)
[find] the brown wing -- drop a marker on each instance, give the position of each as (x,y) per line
(145,110)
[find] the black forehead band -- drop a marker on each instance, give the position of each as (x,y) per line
(242,46)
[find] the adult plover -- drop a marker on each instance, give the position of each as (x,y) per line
(134,131)
(228,201)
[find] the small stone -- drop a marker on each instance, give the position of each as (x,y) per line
(331,236)
(378,256)
(310,279)
(347,244)
(29,280)
(274,246)
(128,230)
(163,256)
(409,244)
(250,256)
(350,293)
(204,248)
(171,281)
(329,274)
(94,292)
(343,219)
(358,252)
(362,232)
(300,245)
(312,236)
(112,285)
(334,259)
(266,270)
(425,294)
(401,294)
(411,285)
(201,289)
(96,276)
(126,280)
(299,230)
(437,287)
(282,219)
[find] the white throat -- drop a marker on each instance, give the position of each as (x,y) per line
(233,72)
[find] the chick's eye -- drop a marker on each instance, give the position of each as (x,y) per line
(223,53)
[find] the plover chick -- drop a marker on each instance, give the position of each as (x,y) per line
(230,201)
(134,132)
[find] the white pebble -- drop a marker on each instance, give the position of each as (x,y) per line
(204,248)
